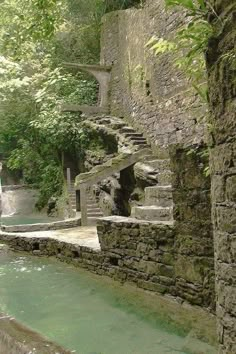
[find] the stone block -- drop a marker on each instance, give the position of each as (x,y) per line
(193,269)
(225,219)
(153,213)
(147,285)
(231,189)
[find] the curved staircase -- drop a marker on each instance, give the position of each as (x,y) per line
(133,149)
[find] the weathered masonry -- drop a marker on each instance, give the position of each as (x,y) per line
(164,243)
(222,96)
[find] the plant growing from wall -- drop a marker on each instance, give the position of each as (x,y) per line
(190,43)
(189,48)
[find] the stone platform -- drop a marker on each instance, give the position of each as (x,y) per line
(80,236)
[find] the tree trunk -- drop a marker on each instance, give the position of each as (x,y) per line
(221,66)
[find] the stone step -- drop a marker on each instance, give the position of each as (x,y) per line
(92,202)
(103,121)
(131,134)
(139,142)
(137,138)
(92,221)
(159,164)
(126,129)
(152,213)
(140,145)
(93,209)
(159,196)
(116,126)
(95,215)
(92,205)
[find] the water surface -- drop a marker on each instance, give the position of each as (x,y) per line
(80,312)
(27,219)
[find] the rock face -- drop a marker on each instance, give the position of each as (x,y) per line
(222,95)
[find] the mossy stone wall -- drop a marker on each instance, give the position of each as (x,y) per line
(222,98)
(148,90)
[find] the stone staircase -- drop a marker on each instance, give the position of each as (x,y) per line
(128,139)
(94,212)
(72,196)
(112,166)
(133,149)
(158,205)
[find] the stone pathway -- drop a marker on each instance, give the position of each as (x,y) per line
(81,236)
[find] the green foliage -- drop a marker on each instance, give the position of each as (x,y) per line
(26,26)
(79,36)
(195,6)
(35,37)
(203,155)
(190,43)
(160,46)
(188,49)
(34,132)
(50,185)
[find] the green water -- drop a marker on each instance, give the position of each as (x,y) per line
(79,311)
(27,219)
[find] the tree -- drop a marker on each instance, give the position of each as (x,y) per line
(34,132)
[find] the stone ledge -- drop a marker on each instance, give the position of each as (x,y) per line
(134,221)
(56,225)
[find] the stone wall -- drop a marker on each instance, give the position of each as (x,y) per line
(144,253)
(222,99)
(194,246)
(139,252)
(148,90)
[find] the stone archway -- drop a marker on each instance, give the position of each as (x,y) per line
(102,74)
